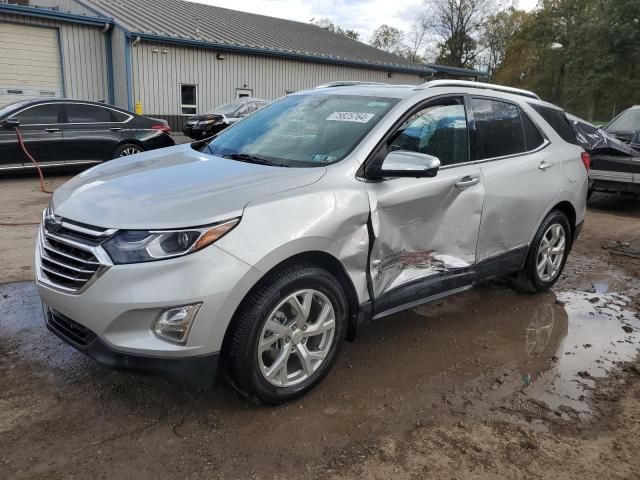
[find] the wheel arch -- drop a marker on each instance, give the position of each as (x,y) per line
(314,257)
(568,209)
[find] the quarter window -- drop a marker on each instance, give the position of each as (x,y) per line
(189,99)
(40,115)
(439,130)
(558,121)
(80,113)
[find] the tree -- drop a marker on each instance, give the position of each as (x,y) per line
(583,55)
(496,33)
(389,39)
(416,38)
(327,24)
(457,24)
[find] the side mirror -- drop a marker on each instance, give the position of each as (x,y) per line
(408,164)
(10,123)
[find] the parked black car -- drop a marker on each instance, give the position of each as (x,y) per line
(626,126)
(615,165)
(208,124)
(67,132)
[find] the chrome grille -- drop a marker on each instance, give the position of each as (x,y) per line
(68,254)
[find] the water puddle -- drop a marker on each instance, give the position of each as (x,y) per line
(602,332)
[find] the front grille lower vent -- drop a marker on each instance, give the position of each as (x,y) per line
(70,330)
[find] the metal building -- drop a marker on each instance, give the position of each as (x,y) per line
(172,58)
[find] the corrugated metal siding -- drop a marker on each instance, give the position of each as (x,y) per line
(70,6)
(83,56)
(159,69)
(118,46)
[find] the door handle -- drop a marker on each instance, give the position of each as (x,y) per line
(467,181)
(52,130)
(545,165)
(115,129)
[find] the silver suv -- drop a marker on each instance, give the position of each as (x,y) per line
(262,249)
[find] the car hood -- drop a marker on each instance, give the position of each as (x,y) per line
(173,187)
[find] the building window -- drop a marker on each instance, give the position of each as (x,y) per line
(188,99)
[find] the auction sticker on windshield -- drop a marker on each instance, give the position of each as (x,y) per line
(350,117)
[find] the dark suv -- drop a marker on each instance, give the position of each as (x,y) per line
(626,126)
(68,132)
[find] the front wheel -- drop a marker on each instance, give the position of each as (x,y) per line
(547,254)
(287,334)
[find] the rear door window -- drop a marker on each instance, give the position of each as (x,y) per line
(82,113)
(496,129)
(40,115)
(119,116)
(558,120)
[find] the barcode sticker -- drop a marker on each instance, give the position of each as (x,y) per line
(350,117)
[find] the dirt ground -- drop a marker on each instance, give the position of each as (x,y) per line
(487,384)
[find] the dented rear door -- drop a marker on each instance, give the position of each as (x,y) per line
(425,230)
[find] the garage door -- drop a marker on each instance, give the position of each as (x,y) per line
(29,63)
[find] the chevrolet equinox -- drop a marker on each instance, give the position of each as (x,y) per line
(259,251)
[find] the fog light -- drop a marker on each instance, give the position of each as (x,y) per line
(174,324)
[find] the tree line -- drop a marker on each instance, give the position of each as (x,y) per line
(583,55)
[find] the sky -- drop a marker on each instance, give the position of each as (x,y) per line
(363,16)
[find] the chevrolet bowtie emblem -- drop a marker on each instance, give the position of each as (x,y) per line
(52,223)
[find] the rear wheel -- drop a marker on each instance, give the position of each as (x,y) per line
(547,254)
(287,334)
(127,149)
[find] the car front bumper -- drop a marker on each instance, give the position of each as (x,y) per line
(119,308)
(200,372)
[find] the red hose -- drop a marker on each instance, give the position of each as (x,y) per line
(42,188)
(33,160)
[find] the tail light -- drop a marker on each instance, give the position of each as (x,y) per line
(586,160)
(162,127)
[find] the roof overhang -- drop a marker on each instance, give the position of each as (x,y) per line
(54,15)
(458,71)
(419,70)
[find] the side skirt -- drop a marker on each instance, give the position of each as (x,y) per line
(435,287)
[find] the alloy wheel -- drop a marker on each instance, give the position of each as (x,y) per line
(551,252)
(296,338)
(129,151)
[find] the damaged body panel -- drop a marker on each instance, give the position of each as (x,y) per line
(423,228)
(615,165)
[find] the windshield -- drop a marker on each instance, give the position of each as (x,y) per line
(302,130)
(230,108)
(628,121)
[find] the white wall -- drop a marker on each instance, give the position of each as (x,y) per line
(159,69)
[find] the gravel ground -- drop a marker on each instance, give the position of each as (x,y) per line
(487,384)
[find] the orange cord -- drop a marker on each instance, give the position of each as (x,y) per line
(33,160)
(42,188)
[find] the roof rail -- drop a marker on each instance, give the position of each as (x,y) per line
(347,83)
(469,84)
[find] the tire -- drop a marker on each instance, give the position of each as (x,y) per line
(253,347)
(531,279)
(127,149)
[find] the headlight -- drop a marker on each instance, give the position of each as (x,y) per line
(134,246)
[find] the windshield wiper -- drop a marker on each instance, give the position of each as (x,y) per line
(246,157)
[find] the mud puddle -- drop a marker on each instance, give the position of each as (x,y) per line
(603,333)
(460,356)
